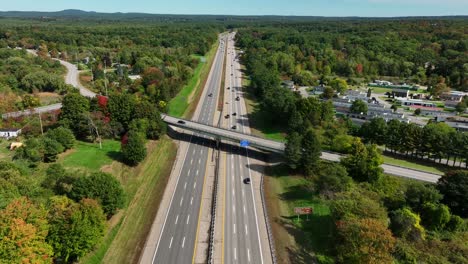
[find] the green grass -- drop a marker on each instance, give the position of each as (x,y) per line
(144,186)
(90,157)
(297,241)
(411,165)
(179,104)
(5,153)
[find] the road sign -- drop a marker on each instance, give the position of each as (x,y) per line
(244,143)
(303,210)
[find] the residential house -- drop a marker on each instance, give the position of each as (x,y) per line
(9,133)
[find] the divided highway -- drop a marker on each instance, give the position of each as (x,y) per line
(242,243)
(176,243)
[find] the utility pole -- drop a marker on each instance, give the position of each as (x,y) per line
(105,78)
(40,122)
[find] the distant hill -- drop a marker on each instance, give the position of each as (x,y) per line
(78,14)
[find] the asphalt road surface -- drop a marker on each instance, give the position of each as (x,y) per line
(177,240)
(241,237)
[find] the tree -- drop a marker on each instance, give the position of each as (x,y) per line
(62,135)
(102,187)
(134,150)
(375,131)
(357,203)
(73,114)
(364,241)
(359,107)
(339,85)
(311,151)
(453,186)
(121,108)
(332,178)
(293,150)
(75,228)
(435,216)
(23,229)
(439,89)
(328,93)
(417,194)
(406,224)
(51,149)
(363,164)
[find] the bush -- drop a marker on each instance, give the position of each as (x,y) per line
(134,151)
(62,135)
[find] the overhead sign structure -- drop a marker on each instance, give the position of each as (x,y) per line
(303,211)
(244,143)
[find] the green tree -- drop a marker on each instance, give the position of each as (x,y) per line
(357,203)
(51,149)
(134,151)
(418,193)
(406,224)
(23,229)
(75,228)
(62,135)
(75,108)
(453,186)
(102,187)
(435,216)
(375,131)
(332,178)
(293,150)
(359,107)
(311,151)
(339,85)
(363,164)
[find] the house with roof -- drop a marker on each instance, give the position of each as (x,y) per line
(8,133)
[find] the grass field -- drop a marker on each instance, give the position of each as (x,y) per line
(144,186)
(89,156)
(413,165)
(180,106)
(5,153)
(295,240)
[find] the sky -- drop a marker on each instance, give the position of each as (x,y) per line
(365,8)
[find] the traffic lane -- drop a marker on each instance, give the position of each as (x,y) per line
(178,236)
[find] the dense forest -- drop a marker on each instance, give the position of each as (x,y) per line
(417,51)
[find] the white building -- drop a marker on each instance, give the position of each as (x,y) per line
(9,133)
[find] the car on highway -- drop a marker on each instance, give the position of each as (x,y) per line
(226,116)
(210,95)
(234,127)
(229,88)
(181,122)
(234,114)
(247,180)
(237,98)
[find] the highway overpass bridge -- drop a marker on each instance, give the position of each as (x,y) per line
(230,135)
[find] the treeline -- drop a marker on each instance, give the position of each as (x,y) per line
(434,141)
(56,219)
(428,52)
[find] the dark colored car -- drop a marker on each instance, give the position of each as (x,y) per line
(229,88)
(234,114)
(247,180)
(226,116)
(181,122)
(237,98)
(210,95)
(234,127)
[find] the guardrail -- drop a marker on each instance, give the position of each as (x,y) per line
(267,222)
(213,209)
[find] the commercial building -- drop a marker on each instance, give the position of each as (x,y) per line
(9,133)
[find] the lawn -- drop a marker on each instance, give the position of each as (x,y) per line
(297,241)
(412,165)
(179,106)
(89,156)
